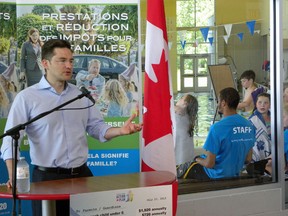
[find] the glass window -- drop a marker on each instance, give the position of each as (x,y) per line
(213,32)
(194,12)
(188,82)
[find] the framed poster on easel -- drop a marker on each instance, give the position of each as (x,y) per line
(221,77)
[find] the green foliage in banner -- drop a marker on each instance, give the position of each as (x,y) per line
(40,9)
(8,27)
(132,22)
(77,9)
(4,45)
(2,125)
(132,19)
(24,143)
(28,21)
(123,142)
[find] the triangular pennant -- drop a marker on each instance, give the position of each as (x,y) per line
(226,38)
(211,40)
(228,28)
(251,26)
(204,32)
(182,35)
(257,31)
(240,36)
(195,44)
(183,43)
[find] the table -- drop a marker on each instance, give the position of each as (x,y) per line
(49,191)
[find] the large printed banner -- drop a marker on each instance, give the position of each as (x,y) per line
(103,30)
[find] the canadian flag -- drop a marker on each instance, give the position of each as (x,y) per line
(158,143)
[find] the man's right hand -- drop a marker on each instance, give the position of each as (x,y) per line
(90,77)
(9,164)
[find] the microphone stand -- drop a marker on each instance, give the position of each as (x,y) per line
(15,134)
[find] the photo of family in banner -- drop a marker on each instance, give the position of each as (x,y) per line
(8,58)
(102,34)
(114,97)
(104,40)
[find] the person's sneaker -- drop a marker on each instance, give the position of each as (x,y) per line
(182,168)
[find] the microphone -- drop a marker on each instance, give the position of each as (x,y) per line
(86,93)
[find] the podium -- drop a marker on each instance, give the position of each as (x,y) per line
(50,191)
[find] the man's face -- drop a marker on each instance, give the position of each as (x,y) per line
(245,82)
(94,68)
(60,67)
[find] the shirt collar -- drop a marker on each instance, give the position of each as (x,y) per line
(44,84)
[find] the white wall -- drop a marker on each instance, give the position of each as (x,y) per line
(248,54)
(266,202)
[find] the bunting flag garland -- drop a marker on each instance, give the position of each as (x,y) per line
(211,39)
(251,26)
(240,36)
(182,35)
(183,43)
(204,32)
(195,44)
(228,28)
(225,37)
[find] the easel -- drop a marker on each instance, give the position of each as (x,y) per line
(221,77)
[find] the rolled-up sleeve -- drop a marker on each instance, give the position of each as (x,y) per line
(18,107)
(96,126)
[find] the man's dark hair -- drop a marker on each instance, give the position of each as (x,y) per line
(248,74)
(50,45)
(230,96)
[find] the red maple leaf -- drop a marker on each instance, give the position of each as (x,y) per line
(157,119)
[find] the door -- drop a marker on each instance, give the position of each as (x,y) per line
(194,76)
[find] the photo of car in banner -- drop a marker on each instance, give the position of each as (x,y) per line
(110,68)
